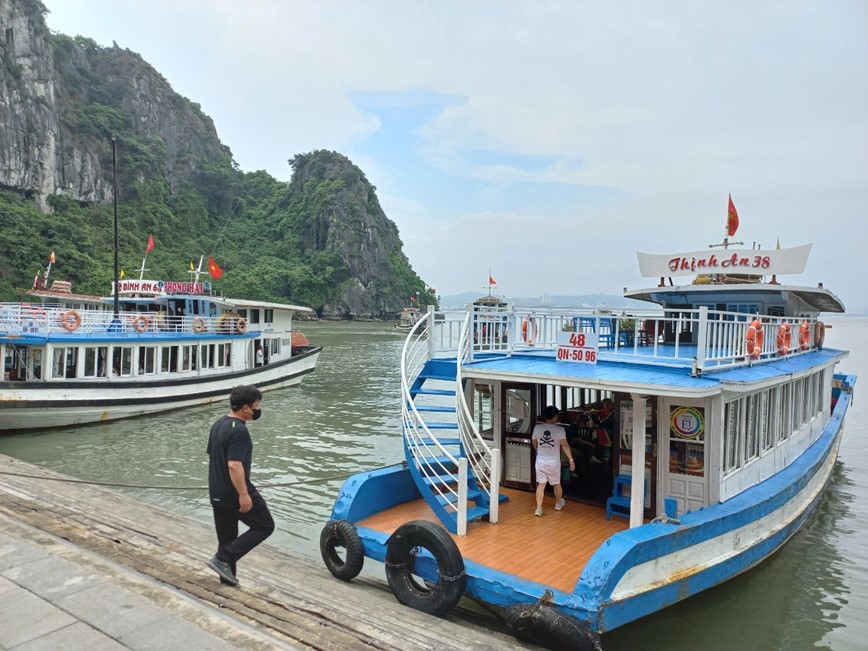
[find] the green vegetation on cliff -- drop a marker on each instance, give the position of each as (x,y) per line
(320,240)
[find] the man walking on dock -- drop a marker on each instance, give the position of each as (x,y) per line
(233,497)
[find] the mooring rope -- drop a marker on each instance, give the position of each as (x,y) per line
(89,482)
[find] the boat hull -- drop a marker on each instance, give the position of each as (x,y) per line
(644,569)
(36,405)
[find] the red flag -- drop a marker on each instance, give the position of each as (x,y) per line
(491,281)
(51,258)
(731,219)
(412,299)
(214,270)
(150,244)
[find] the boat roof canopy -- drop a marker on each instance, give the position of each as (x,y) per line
(246,304)
(798,299)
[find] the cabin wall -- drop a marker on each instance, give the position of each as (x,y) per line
(796,413)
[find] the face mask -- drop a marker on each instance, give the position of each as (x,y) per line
(256,414)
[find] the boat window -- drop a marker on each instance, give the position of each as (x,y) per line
(254,316)
(189,358)
(766,422)
(147,360)
(169,359)
(94,361)
(224,355)
(483,408)
(756,423)
(751,433)
(518,416)
(122,361)
(207,355)
(786,411)
(64,362)
(269,316)
(731,436)
(242,314)
(274,347)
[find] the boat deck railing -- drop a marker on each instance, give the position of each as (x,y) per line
(701,339)
(37,320)
(484,460)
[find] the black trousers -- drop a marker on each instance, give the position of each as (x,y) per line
(230,546)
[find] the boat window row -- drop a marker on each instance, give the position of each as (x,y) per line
(134,360)
(756,423)
(263,315)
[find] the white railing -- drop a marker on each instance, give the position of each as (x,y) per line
(18,318)
(432,460)
(484,460)
(701,339)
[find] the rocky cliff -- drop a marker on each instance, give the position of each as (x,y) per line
(62,98)
(321,240)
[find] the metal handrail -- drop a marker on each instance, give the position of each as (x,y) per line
(484,460)
(425,448)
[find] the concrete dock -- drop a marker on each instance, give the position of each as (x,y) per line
(84,567)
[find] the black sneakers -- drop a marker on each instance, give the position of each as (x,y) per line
(223,569)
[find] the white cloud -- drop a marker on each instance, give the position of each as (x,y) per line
(668,105)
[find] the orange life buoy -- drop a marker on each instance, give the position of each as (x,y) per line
(785,339)
(198,324)
(70,320)
(241,325)
(141,323)
(529,330)
(819,335)
(804,335)
(755,339)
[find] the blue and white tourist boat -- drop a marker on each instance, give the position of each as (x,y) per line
(71,359)
(722,414)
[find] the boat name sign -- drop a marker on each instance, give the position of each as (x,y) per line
(778,261)
(578,347)
(156,287)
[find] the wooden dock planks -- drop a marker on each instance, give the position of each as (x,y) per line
(290,596)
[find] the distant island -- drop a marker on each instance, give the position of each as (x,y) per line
(610,301)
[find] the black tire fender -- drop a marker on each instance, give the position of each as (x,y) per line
(401,552)
(342,533)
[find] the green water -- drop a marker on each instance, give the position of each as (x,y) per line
(346,417)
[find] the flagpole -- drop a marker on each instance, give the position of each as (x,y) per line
(115,203)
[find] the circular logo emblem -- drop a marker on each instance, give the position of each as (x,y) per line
(687,423)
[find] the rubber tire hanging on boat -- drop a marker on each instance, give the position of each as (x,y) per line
(342,533)
(402,552)
(549,628)
(241,325)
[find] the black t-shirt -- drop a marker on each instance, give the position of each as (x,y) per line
(229,441)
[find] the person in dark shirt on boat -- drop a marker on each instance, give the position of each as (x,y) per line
(234,498)
(604,419)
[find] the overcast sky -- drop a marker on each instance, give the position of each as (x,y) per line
(547,141)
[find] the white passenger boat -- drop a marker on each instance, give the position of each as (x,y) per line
(70,359)
(725,416)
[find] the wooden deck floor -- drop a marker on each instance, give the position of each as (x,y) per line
(551,550)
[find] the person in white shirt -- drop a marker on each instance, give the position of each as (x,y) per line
(549,439)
